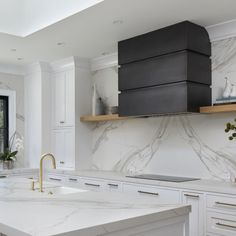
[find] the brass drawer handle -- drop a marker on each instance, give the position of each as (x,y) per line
(191,195)
(225,225)
(150,193)
(113,185)
(93,185)
(71,179)
(225,204)
(55,179)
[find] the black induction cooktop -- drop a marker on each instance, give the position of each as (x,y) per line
(166,178)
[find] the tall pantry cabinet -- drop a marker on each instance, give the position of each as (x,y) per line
(70,98)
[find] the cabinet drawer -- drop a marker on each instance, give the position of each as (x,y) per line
(112,186)
(91,184)
(222,203)
(56,178)
(222,224)
(165,196)
(73,181)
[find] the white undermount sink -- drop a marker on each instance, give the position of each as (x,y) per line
(63,190)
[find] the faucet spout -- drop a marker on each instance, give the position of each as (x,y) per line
(43,157)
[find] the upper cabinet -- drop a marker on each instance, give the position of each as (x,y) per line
(63,99)
(71,92)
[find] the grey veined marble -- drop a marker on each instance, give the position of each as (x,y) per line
(137,158)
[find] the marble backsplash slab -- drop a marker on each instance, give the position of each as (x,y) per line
(193,145)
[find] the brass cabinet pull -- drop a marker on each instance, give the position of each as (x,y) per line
(93,185)
(226,225)
(225,204)
(150,193)
(55,179)
(113,185)
(71,179)
(191,195)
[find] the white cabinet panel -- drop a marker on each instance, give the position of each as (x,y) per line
(58,147)
(59,94)
(113,186)
(92,184)
(221,224)
(69,148)
(63,99)
(163,196)
(196,220)
(70,98)
(222,203)
(63,147)
(59,179)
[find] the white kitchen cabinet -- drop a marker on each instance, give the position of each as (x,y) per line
(56,178)
(113,186)
(92,184)
(221,223)
(162,195)
(71,93)
(221,214)
(63,147)
(197,217)
(63,102)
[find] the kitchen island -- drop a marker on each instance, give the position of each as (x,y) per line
(76,212)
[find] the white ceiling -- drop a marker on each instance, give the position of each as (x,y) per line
(91,32)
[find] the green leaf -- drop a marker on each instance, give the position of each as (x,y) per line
(12,154)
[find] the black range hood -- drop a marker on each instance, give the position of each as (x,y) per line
(167,71)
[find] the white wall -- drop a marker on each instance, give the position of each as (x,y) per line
(193,146)
(37,113)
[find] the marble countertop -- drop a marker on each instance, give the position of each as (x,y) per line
(18,171)
(198,185)
(24,212)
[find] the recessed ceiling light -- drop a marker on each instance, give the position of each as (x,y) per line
(13,50)
(118,22)
(20,58)
(61,44)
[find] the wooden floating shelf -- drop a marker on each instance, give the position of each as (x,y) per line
(203,110)
(218,109)
(101,118)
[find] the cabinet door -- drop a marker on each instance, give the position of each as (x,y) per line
(69,98)
(69,148)
(196,220)
(63,148)
(59,103)
(63,97)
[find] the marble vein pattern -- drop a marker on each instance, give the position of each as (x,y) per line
(194,146)
(136,159)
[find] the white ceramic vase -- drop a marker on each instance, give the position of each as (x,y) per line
(233,91)
(227,90)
